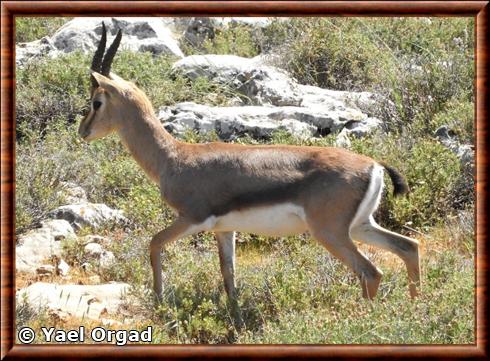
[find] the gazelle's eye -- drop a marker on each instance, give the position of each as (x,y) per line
(96,104)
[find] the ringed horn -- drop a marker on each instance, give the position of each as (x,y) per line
(100,63)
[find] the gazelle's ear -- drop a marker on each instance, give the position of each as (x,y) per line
(116,77)
(103,81)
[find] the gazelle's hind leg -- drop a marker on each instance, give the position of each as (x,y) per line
(404,247)
(365,229)
(342,247)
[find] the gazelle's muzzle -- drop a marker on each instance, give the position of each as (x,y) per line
(84,128)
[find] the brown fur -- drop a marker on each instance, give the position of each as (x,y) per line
(258,175)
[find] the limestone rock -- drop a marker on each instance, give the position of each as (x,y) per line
(63,268)
(89,214)
(38,245)
(257,121)
(264,84)
(33,50)
(260,83)
(361,128)
(93,250)
(72,193)
(97,252)
(300,109)
(228,122)
(82,301)
(151,34)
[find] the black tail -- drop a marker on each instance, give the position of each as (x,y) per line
(400,185)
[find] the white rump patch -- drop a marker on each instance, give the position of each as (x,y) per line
(371,199)
(276,220)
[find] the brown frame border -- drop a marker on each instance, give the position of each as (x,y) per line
(9,9)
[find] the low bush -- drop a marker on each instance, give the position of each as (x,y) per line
(50,90)
(232,39)
(419,64)
(34,28)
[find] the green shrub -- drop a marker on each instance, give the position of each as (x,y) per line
(34,28)
(419,64)
(50,90)
(329,54)
(234,39)
(459,115)
(41,167)
(431,171)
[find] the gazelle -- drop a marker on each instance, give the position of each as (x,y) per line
(268,190)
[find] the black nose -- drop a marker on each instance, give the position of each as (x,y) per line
(83,133)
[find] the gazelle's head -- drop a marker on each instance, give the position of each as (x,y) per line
(112,98)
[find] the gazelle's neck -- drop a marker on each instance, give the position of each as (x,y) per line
(148,142)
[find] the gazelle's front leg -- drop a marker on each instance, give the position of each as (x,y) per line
(179,229)
(226,248)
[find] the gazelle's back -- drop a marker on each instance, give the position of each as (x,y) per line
(235,177)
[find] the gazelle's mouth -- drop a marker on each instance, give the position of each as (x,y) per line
(84,129)
(85,134)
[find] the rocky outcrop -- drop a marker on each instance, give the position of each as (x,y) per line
(82,301)
(39,251)
(258,83)
(158,35)
(256,121)
(153,35)
(91,215)
(302,110)
(270,99)
(41,244)
(262,84)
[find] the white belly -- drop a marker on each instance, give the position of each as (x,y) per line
(277,220)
